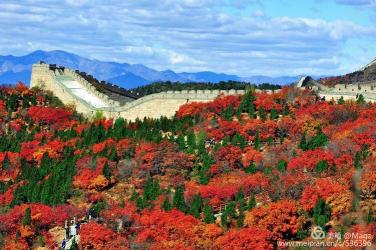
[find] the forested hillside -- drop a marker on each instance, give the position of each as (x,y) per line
(240,172)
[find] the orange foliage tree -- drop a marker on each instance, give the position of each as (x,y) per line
(247,238)
(96,236)
(281,218)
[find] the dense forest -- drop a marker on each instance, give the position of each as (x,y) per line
(178,86)
(240,172)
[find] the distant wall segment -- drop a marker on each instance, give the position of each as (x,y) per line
(347,91)
(350,91)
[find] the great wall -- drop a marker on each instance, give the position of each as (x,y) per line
(349,86)
(90,96)
(347,91)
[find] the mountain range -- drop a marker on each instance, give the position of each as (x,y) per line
(18,68)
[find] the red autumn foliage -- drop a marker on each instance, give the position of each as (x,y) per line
(251,155)
(96,236)
(247,238)
(122,146)
(368,183)
(224,187)
(280,218)
(267,101)
(20,244)
(13,169)
(323,189)
(228,156)
(6,197)
(265,129)
(348,126)
(308,159)
(222,102)
(48,114)
(28,148)
(190,109)
(99,147)
(88,172)
(175,230)
(42,216)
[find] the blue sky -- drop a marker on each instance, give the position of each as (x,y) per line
(244,37)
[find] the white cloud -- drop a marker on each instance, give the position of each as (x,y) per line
(185,35)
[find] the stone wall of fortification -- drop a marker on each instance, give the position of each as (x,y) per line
(350,91)
(153,106)
(160,104)
(43,77)
(89,87)
(164,103)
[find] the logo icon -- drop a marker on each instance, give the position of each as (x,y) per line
(317,233)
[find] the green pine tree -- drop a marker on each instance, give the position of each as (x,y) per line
(6,162)
(228,113)
(151,189)
(26,220)
(303,142)
(364,151)
(224,219)
(208,214)
(257,142)
(251,169)
(285,110)
(178,199)
(321,166)
(321,213)
(282,166)
(231,209)
(270,141)
(181,143)
(319,140)
(240,199)
(239,196)
(357,161)
(262,114)
(113,155)
(341,100)
(238,140)
(273,114)
(196,206)
(252,111)
(191,141)
(226,141)
(240,218)
(166,205)
(46,193)
(360,99)
(203,176)
(141,203)
(107,171)
(251,202)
